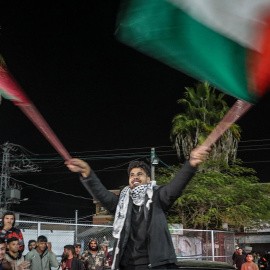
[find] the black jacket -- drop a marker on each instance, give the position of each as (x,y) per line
(160,246)
(76,264)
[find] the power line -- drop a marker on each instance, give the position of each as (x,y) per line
(257,161)
(260,140)
(51,190)
(52,218)
(256,149)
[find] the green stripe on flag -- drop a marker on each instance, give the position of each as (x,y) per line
(3,93)
(161,30)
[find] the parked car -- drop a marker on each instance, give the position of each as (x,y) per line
(203,265)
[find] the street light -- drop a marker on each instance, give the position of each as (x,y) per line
(154,162)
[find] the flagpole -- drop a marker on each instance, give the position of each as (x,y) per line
(37,119)
(238,110)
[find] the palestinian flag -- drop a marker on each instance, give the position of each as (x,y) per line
(10,89)
(226,43)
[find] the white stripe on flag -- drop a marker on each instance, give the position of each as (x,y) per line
(239,20)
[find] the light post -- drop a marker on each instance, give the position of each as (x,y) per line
(154,162)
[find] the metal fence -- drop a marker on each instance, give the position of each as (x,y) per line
(204,245)
(188,244)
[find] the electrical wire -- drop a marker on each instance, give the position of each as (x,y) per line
(51,190)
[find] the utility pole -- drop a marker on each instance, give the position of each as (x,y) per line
(13,161)
(152,165)
(5,175)
(154,161)
(76,226)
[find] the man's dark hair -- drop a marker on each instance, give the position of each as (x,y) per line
(139,164)
(31,241)
(42,238)
(249,254)
(2,241)
(8,213)
(70,247)
(12,239)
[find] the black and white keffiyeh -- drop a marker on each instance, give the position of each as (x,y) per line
(138,197)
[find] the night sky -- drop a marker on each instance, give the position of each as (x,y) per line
(97,95)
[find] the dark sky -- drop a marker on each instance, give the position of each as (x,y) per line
(96,94)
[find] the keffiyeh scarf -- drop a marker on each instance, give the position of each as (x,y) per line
(138,197)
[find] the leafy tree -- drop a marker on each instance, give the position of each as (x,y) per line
(204,110)
(232,195)
(222,190)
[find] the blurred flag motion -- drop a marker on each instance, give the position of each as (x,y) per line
(226,43)
(11,90)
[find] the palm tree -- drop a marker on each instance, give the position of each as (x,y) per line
(204,109)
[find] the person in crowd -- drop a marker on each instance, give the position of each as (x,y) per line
(140,225)
(78,248)
(234,255)
(2,249)
(42,257)
(4,264)
(93,258)
(249,265)
(7,230)
(14,253)
(240,258)
(69,261)
(104,246)
(32,244)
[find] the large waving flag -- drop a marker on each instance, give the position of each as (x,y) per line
(11,90)
(226,43)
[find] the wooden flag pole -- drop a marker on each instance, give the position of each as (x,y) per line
(239,109)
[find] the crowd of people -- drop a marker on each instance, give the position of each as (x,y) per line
(248,261)
(140,227)
(41,256)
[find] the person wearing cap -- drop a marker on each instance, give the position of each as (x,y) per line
(32,244)
(140,226)
(104,246)
(94,258)
(234,255)
(7,230)
(78,248)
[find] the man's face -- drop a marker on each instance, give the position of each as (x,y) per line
(104,248)
(240,251)
(13,246)
(2,251)
(93,246)
(9,220)
(77,250)
(41,245)
(138,177)
(249,258)
(32,246)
